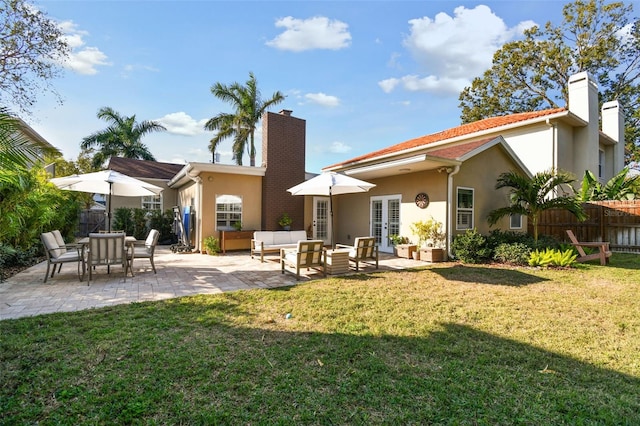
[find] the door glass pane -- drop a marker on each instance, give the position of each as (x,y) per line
(376,220)
(322,217)
(393,207)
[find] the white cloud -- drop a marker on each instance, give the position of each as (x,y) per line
(339,148)
(82,59)
(181,123)
(452,50)
(322,99)
(314,33)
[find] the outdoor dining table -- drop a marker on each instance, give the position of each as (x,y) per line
(84,242)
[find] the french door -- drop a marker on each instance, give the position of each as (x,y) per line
(321,219)
(385,220)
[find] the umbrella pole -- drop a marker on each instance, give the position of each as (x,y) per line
(109,210)
(331,213)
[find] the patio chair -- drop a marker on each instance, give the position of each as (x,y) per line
(58,254)
(107,249)
(308,254)
(144,250)
(603,254)
(364,249)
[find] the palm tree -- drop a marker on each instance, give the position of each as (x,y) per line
(16,149)
(619,187)
(121,138)
(241,125)
(529,197)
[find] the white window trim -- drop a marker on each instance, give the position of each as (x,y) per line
(471,210)
(512,216)
(230,227)
(142,200)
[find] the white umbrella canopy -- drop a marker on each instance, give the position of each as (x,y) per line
(330,184)
(107,182)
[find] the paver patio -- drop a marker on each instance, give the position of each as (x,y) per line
(178,275)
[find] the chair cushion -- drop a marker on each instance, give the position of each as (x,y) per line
(51,245)
(68,256)
(58,236)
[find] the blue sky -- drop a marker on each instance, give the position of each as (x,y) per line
(363,74)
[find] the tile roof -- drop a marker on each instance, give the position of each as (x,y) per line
(144,168)
(463,130)
(456,152)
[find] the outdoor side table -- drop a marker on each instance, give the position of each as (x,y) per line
(337,261)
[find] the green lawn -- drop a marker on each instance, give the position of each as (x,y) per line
(448,344)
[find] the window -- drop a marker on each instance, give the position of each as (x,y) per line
(228,212)
(515,220)
(464,216)
(600,164)
(152,202)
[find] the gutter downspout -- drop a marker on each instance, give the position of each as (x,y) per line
(198,227)
(456,169)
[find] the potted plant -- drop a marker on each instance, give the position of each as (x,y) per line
(285,221)
(211,245)
(237,225)
(402,246)
(431,239)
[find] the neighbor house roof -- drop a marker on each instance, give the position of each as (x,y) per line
(455,132)
(144,168)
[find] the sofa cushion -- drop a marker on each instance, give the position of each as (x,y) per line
(265,236)
(282,237)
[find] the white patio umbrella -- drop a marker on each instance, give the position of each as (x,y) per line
(330,184)
(108,182)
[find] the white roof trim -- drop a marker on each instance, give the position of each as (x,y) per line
(194,169)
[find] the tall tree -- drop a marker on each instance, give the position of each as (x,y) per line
(532,74)
(32,49)
(241,124)
(16,149)
(122,138)
(530,197)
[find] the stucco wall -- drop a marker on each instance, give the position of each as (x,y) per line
(169,197)
(249,188)
(352,211)
(481,173)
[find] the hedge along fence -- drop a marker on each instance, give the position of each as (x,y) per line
(615,221)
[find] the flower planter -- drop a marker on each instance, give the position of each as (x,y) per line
(432,254)
(405,250)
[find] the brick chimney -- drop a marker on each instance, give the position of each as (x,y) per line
(283,155)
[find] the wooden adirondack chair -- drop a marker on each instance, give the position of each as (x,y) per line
(603,253)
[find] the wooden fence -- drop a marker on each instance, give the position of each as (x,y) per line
(91,221)
(615,221)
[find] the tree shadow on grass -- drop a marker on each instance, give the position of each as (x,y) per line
(487,275)
(185,362)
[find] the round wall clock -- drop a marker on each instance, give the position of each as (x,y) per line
(422,200)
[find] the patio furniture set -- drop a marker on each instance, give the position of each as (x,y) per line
(98,249)
(312,254)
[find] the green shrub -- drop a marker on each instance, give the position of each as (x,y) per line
(497,237)
(123,219)
(552,257)
(163,222)
(512,253)
(140,227)
(211,245)
(471,247)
